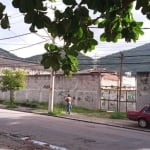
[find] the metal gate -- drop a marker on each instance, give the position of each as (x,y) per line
(110,99)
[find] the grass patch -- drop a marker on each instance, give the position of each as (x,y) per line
(82,110)
(91,112)
(6,102)
(11,105)
(2,101)
(118,115)
(29,104)
(32,104)
(60,109)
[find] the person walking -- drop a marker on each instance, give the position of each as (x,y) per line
(68,101)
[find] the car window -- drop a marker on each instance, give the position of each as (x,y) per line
(147,110)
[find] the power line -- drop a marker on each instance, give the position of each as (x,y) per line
(41,36)
(114,57)
(91,58)
(130,63)
(28,46)
(20,37)
(15,36)
(16,16)
(12,43)
(144,55)
(19,59)
(102,29)
(85,64)
(119,44)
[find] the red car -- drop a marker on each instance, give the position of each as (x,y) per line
(142,116)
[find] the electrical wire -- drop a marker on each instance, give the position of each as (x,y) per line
(85,64)
(15,36)
(28,46)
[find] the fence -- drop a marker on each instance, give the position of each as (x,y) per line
(110,99)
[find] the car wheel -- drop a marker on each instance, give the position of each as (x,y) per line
(142,123)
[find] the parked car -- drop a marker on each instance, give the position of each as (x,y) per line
(142,116)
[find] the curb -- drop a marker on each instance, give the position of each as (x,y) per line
(107,124)
(87,121)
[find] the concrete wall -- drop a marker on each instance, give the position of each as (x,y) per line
(143,89)
(82,87)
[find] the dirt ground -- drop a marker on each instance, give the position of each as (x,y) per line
(10,142)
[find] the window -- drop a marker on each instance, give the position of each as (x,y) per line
(147,110)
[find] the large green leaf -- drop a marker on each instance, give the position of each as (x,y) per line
(69,2)
(2,7)
(5,22)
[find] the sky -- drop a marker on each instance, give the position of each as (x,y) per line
(21,46)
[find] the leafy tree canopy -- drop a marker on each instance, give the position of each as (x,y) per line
(73,25)
(13,79)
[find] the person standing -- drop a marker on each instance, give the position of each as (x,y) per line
(68,100)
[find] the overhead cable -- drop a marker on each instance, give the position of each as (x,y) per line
(28,46)
(15,36)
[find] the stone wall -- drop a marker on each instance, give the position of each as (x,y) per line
(84,88)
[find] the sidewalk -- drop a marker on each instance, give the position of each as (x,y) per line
(128,124)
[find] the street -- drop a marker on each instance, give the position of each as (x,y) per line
(71,134)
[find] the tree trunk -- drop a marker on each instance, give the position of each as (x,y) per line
(12,96)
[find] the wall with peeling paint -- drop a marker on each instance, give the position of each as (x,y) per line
(83,88)
(143,90)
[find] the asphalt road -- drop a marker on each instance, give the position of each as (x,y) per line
(74,135)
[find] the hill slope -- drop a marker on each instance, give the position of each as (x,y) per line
(4,53)
(85,62)
(134,60)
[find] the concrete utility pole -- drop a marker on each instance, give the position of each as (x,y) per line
(120,80)
(99,91)
(52,86)
(51,92)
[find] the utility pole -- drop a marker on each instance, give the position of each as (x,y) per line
(120,80)
(99,91)
(51,92)
(52,88)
